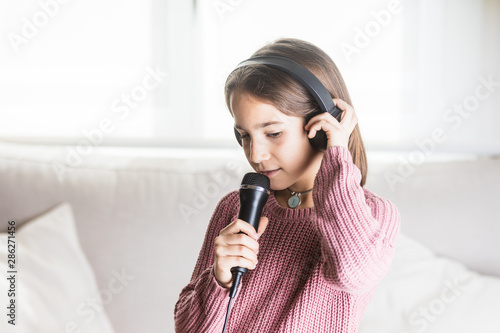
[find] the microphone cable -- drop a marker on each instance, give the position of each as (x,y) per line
(236,281)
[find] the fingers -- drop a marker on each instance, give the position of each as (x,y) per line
(338,133)
(222,268)
(347,111)
(232,248)
(320,124)
(236,242)
(235,254)
(323,121)
(239,225)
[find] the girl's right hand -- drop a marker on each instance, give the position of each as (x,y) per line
(233,249)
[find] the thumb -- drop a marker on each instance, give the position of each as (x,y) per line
(262,226)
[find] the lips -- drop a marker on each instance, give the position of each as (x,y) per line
(269,173)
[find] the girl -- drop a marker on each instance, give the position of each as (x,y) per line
(312,268)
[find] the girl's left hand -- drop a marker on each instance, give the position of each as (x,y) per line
(337,132)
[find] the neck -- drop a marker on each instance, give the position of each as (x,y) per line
(304,183)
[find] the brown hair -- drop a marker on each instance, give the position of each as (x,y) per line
(289,96)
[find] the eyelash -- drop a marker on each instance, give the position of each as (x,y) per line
(271,135)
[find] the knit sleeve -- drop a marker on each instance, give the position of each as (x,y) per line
(202,304)
(358,229)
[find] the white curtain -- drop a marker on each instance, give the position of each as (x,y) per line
(451,75)
(406,64)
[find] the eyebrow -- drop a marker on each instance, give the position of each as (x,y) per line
(262,125)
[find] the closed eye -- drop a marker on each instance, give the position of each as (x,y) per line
(271,135)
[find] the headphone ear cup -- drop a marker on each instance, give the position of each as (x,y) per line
(319,141)
(238,136)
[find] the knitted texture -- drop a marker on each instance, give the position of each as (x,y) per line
(318,267)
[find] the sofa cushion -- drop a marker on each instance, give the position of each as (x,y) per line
(52,285)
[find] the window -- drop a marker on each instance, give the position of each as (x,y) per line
(152,72)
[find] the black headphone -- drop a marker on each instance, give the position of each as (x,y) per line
(310,82)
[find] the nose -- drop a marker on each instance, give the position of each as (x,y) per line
(259,151)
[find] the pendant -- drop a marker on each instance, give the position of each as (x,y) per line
(294,201)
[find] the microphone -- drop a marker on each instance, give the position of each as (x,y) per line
(254,192)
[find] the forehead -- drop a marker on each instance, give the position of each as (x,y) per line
(248,110)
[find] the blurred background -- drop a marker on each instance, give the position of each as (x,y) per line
(117,108)
(411,67)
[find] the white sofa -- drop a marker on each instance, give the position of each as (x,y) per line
(145,211)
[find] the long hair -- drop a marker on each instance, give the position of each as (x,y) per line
(289,96)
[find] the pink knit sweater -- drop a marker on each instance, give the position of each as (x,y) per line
(318,267)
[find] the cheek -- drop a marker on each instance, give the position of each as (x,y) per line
(302,151)
(292,147)
(298,140)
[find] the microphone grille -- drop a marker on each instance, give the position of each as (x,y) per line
(256,179)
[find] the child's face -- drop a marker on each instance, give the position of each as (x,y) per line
(276,142)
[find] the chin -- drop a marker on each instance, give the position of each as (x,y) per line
(278,186)
(275,189)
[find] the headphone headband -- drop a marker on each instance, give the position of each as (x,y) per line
(301,74)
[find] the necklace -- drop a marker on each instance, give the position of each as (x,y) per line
(294,200)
